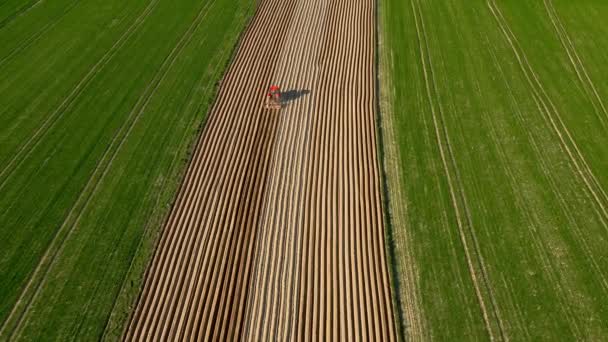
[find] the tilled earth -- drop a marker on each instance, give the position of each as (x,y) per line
(277,231)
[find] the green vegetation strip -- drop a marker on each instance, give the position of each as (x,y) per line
(99,104)
(495,152)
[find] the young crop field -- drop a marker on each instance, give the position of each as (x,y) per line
(495,129)
(99,104)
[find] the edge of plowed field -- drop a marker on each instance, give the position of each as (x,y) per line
(386,154)
(406,306)
(132,286)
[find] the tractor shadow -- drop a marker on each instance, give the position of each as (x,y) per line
(292,95)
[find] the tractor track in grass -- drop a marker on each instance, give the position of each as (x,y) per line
(477,271)
(33,38)
(186,145)
(92,185)
(554,120)
(53,117)
(277,231)
(19,12)
(537,239)
(577,64)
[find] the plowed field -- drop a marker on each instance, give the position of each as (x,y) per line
(277,232)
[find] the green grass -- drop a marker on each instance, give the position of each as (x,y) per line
(497,167)
(99,104)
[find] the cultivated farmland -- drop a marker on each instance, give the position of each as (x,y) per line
(496,156)
(471,136)
(277,232)
(99,101)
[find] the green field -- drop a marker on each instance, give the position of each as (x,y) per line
(99,104)
(496,155)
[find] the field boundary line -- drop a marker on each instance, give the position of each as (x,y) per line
(35,139)
(455,193)
(577,63)
(407,309)
(128,124)
(553,116)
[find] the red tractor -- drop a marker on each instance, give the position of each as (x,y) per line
(273,98)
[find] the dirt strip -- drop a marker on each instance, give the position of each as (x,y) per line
(277,231)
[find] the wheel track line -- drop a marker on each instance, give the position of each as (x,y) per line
(553,115)
(110,153)
(477,249)
(453,196)
(18,13)
(32,39)
(476,246)
(35,139)
(536,240)
(577,63)
(545,171)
